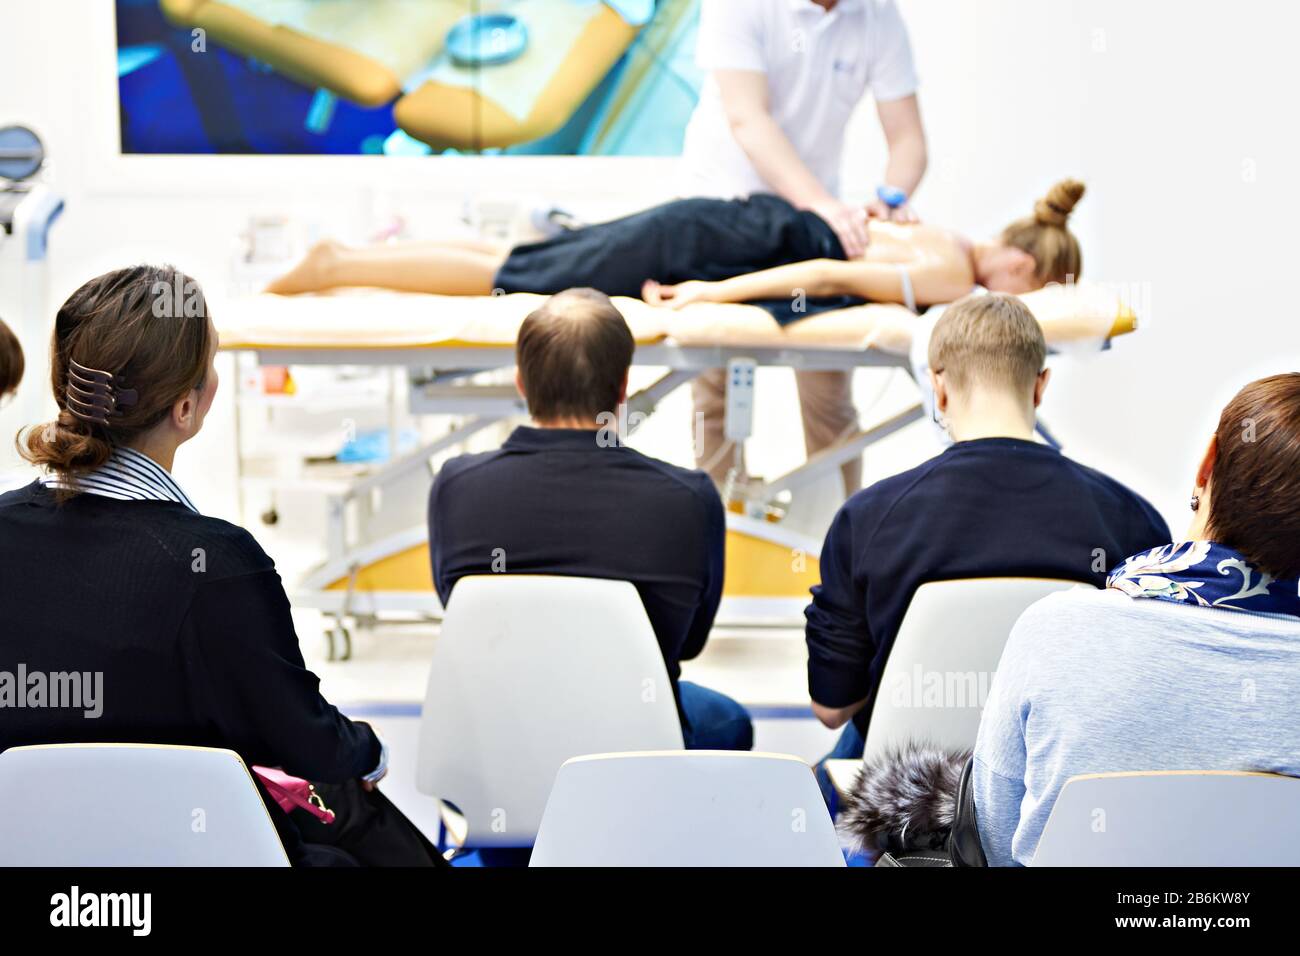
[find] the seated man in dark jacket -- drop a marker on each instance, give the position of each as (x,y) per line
(567,497)
(994,504)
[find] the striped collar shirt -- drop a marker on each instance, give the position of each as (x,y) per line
(128,475)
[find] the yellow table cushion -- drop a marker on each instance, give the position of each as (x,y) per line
(374,319)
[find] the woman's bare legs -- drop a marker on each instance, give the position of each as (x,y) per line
(454,267)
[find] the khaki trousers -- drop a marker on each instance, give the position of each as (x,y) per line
(826,403)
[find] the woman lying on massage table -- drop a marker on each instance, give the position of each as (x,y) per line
(760,249)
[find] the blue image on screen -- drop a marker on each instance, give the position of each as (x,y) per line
(183,92)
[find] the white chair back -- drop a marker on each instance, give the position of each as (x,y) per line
(1174,818)
(943,660)
(132,805)
(688,808)
(530,670)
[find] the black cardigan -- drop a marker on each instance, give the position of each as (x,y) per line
(185,618)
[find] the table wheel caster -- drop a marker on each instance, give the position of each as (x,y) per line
(333,638)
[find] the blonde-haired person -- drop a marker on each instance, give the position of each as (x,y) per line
(761,249)
(912,264)
(918,264)
(995,503)
(106,566)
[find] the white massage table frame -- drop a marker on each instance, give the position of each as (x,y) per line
(448,391)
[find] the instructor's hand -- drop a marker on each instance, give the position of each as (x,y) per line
(677,296)
(849,223)
(902,214)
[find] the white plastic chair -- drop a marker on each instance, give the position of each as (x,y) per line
(1174,818)
(530,670)
(688,808)
(132,805)
(943,660)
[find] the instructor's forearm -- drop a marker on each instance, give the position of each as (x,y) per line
(908,159)
(777,161)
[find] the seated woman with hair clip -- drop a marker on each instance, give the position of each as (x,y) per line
(107,567)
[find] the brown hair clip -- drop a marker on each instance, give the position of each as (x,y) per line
(93,396)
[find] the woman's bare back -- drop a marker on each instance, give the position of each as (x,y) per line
(895,243)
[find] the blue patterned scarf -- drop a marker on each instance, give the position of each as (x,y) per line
(1208,575)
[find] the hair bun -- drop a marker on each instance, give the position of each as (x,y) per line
(1054,209)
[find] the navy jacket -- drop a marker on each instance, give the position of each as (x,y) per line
(992,507)
(555,501)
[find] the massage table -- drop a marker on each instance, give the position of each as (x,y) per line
(443,341)
(374,52)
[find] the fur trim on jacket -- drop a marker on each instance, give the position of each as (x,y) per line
(904,800)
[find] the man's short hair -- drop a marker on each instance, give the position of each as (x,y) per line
(11,361)
(573,354)
(992,341)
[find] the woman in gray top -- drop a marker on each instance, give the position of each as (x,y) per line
(1189,660)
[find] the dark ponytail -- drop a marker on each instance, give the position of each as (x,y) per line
(11,360)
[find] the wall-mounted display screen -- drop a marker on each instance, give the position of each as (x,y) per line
(406,77)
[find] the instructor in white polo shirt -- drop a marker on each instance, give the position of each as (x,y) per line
(784,76)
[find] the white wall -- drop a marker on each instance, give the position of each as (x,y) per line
(1180,117)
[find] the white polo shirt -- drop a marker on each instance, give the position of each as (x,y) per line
(819,64)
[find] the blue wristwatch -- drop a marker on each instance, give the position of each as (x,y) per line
(891,196)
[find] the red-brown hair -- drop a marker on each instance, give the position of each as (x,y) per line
(1255,482)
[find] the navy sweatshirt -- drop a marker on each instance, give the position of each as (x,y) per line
(992,507)
(554,501)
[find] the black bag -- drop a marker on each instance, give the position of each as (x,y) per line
(367,827)
(964,847)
